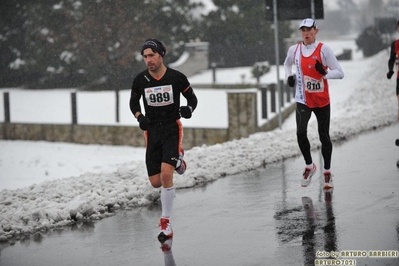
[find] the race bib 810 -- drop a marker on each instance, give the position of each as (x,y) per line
(159,96)
(313,85)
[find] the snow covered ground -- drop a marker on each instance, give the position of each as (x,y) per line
(46,185)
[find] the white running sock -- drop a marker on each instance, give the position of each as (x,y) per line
(310,166)
(167,197)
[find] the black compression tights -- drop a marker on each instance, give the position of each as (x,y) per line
(303,114)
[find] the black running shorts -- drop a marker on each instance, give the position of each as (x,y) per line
(163,141)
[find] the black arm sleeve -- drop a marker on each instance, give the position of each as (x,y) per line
(191,97)
(135,100)
(392,57)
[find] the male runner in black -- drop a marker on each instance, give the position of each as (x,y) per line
(160,88)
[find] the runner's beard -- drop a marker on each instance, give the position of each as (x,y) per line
(152,67)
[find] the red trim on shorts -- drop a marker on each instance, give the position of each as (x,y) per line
(180,126)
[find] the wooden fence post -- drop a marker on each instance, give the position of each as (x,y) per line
(273,97)
(74,109)
(264,102)
(117,105)
(6,98)
(281,95)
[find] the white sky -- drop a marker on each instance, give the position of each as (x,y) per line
(42,184)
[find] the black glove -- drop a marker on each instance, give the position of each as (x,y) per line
(186,111)
(389,74)
(319,68)
(143,122)
(291,81)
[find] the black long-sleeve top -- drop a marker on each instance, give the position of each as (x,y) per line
(161,98)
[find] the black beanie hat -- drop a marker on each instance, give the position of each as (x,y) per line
(154,44)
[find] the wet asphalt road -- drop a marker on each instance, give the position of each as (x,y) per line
(262,217)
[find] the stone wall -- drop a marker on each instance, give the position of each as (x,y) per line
(106,135)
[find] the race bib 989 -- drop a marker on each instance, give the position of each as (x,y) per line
(159,96)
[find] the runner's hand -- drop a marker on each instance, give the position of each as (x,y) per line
(291,81)
(319,68)
(389,74)
(186,111)
(143,122)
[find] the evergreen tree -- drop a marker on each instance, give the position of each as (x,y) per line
(239,33)
(13,16)
(72,43)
